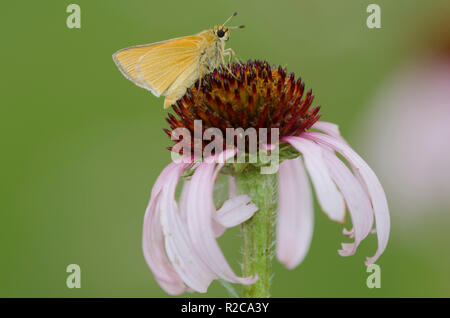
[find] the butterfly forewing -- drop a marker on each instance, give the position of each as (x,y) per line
(157,66)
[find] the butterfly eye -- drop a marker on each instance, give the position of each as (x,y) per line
(220,33)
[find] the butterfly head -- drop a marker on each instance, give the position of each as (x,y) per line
(222,32)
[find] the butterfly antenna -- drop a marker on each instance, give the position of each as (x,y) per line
(237,27)
(233,15)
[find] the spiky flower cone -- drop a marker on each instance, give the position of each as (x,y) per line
(251,95)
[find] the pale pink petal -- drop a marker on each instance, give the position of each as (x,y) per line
(184,198)
(347,249)
(374,188)
(240,214)
(356,198)
(221,157)
(179,249)
(200,210)
(328,128)
(153,241)
(349,234)
(157,186)
(295,213)
(218,229)
(333,130)
(232,190)
(329,197)
(235,211)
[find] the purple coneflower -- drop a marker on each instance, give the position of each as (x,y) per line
(417,170)
(179,238)
(417,131)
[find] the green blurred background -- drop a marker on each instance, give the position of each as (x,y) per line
(82,146)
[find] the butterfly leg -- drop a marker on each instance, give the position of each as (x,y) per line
(232,55)
(203,65)
(222,56)
(199,86)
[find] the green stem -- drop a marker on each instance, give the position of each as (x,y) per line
(258,233)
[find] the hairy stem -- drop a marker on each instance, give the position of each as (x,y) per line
(258,233)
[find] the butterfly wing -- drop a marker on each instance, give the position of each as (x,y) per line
(157,66)
(186,79)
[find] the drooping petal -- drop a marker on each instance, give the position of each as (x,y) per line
(295,213)
(218,229)
(222,157)
(232,190)
(333,130)
(349,234)
(179,249)
(153,241)
(356,198)
(162,178)
(328,128)
(184,198)
(329,197)
(200,209)
(374,188)
(235,211)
